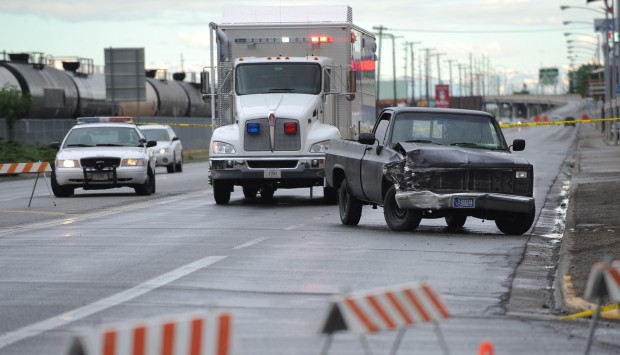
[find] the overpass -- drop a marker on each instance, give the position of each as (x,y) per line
(525,105)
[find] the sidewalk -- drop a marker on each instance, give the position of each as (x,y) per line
(592,229)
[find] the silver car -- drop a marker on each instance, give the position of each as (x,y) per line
(104,153)
(169,150)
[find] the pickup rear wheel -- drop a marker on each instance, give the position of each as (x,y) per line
(221,191)
(399,219)
(515,223)
(350,207)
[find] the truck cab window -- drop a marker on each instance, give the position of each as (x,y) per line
(278,78)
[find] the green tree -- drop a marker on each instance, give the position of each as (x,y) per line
(580,77)
(13,106)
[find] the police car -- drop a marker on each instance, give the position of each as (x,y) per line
(104,153)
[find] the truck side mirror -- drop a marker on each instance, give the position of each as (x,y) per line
(204,82)
(367,138)
(518,145)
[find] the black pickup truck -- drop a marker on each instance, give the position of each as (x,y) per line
(433,163)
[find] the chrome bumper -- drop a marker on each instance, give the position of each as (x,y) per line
(428,200)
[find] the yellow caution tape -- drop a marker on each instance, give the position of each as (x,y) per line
(527,124)
(588,313)
(176,124)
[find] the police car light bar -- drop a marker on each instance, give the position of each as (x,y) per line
(81,120)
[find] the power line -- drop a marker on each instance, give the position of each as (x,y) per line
(485,31)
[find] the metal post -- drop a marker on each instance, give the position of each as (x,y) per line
(595,318)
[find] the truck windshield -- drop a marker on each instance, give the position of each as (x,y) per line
(266,78)
(447,129)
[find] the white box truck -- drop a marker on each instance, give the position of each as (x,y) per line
(289,79)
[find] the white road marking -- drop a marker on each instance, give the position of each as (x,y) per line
(105,303)
(251,242)
(294,227)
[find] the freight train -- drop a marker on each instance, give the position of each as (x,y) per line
(77,91)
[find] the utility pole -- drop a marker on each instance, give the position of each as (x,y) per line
(450,61)
(411,44)
(438,66)
(471,76)
(394,65)
(380,29)
(427,73)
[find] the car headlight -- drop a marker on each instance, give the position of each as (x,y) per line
(133,162)
(222,148)
(163,150)
(521,175)
(67,163)
(320,147)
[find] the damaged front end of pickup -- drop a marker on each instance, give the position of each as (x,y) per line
(476,182)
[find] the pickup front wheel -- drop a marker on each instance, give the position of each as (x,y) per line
(399,219)
(350,207)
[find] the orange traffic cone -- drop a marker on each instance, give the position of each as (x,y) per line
(486,348)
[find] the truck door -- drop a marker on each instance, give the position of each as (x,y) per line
(375,158)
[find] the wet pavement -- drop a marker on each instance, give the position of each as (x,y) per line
(592,229)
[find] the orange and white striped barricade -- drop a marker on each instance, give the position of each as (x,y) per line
(381,309)
(203,333)
(604,280)
(26,168)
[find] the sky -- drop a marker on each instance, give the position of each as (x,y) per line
(513,38)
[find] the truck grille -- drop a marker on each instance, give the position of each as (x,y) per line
(272,164)
(283,141)
(100,162)
(476,180)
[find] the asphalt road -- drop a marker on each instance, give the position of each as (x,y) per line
(111,256)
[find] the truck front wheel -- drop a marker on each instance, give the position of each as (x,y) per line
(221,191)
(350,207)
(515,223)
(399,219)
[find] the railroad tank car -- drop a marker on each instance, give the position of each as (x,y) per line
(79,91)
(91,89)
(147,107)
(7,79)
(53,94)
(173,101)
(197,107)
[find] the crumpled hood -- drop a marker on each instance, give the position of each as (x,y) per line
(284,105)
(426,155)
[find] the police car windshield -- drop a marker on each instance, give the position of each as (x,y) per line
(265,78)
(102,136)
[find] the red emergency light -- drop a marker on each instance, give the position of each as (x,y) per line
(290,127)
(321,39)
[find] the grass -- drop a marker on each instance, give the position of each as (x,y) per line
(14,152)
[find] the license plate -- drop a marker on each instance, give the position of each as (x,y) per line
(273,174)
(100,176)
(464,202)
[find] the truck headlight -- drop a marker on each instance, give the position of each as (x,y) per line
(521,175)
(67,163)
(133,162)
(222,148)
(320,147)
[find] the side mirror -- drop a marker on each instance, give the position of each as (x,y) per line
(175,139)
(150,144)
(55,145)
(204,82)
(518,145)
(367,138)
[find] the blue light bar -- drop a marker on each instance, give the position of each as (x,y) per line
(252,128)
(104,119)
